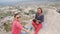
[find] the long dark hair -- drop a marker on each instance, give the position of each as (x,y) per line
(40,9)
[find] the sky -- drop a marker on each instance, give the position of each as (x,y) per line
(26,0)
(14,1)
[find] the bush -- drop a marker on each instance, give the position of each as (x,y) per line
(26,13)
(2,14)
(7,26)
(32,11)
(58,10)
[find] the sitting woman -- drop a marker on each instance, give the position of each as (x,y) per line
(37,22)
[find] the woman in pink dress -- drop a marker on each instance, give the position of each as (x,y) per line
(16,26)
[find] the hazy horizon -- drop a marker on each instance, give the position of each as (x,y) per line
(7,2)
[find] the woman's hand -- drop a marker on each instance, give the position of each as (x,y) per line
(28,31)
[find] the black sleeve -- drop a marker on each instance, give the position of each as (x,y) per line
(42,18)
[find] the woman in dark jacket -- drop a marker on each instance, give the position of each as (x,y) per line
(37,22)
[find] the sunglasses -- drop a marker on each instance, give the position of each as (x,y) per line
(18,17)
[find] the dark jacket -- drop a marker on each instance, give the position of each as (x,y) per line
(41,18)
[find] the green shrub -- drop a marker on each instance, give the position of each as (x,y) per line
(26,13)
(58,10)
(32,11)
(7,27)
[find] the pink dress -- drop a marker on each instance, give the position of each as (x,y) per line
(16,27)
